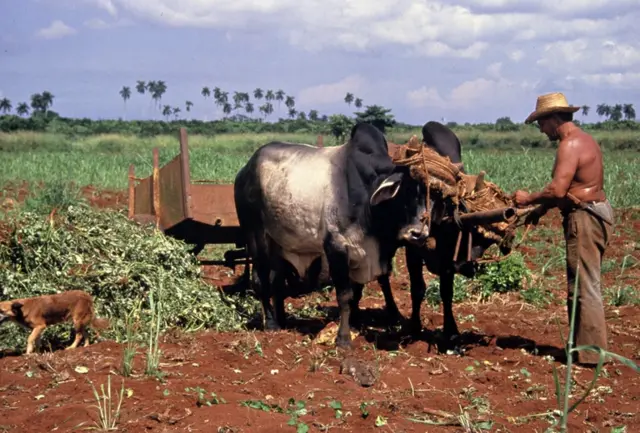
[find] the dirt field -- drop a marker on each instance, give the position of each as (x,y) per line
(503,382)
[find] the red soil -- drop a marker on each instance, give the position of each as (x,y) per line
(504,379)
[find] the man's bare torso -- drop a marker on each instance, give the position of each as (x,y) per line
(587,183)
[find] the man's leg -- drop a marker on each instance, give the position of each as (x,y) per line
(586,241)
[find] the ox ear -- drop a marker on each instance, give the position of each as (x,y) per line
(387,189)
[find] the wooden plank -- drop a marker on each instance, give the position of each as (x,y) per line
(172,193)
(214,205)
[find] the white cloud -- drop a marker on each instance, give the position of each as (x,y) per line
(57,29)
(330,93)
(106,5)
(439,49)
(570,8)
(476,93)
(623,80)
(589,55)
(594,61)
(516,55)
(494,70)
(433,28)
(100,24)
(424,97)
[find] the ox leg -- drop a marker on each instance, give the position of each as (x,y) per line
(339,269)
(450,329)
(418,289)
(393,314)
(268,314)
(355,319)
(261,271)
(278,288)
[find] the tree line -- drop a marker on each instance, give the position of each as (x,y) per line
(239,106)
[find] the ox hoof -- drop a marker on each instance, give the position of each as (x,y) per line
(394,318)
(355,320)
(412,329)
(451,345)
(272,325)
(344,342)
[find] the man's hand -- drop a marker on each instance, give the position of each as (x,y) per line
(534,217)
(521,198)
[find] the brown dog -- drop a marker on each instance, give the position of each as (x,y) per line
(38,312)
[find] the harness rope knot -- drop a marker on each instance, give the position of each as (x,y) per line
(465,193)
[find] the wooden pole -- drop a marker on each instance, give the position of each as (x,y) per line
(132,191)
(156,186)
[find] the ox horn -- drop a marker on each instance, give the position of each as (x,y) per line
(480,181)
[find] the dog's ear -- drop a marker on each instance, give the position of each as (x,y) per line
(16,309)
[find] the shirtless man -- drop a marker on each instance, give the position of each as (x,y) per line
(577,190)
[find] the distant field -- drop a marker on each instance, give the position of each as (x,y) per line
(103,160)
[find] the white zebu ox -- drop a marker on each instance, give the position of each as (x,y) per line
(296,202)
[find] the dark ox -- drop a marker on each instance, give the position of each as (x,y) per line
(350,203)
(439,261)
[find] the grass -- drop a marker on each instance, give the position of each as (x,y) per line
(103,160)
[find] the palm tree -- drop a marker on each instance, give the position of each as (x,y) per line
(22,109)
(237,100)
(5,105)
(166,111)
(161,88)
(37,103)
(290,102)
(125,93)
(585,110)
(188,105)
(292,112)
(269,96)
(616,113)
(629,112)
(279,97)
(151,88)
(248,107)
(205,92)
(221,98)
(603,110)
(40,102)
(313,115)
(47,99)
(217,94)
(227,108)
(266,109)
(258,93)
(348,98)
(176,111)
(358,103)
(141,87)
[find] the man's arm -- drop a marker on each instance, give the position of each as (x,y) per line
(566,166)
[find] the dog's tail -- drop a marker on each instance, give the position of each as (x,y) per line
(100,323)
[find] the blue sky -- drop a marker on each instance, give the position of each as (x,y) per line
(464,60)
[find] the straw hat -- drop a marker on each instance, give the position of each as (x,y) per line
(550,103)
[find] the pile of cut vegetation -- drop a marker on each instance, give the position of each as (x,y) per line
(116,260)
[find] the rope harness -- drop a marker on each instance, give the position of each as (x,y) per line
(467,194)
